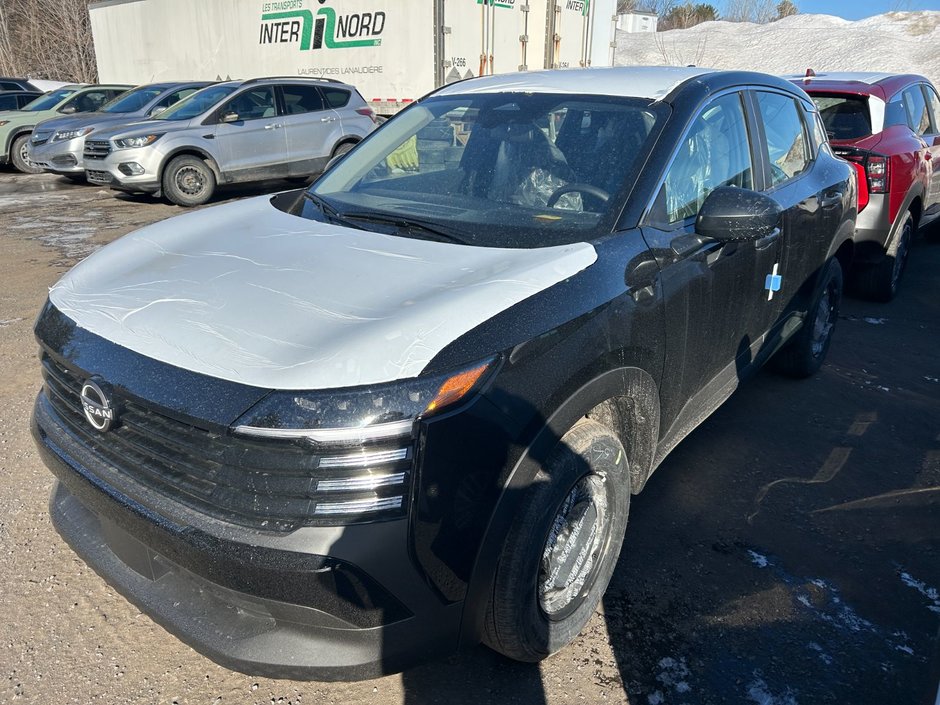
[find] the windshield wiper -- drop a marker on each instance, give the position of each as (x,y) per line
(329,211)
(430,231)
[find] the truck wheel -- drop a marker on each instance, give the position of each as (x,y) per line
(804,355)
(880,282)
(562,546)
(20,160)
(188,181)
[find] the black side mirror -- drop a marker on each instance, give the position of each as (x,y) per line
(730,213)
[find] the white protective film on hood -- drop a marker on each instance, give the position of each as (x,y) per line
(250,294)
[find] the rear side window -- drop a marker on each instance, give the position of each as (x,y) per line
(301,99)
(934,102)
(714,152)
(336,97)
(8,102)
(915,110)
(7,86)
(787,148)
(845,117)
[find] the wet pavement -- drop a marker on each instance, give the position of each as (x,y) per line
(787,552)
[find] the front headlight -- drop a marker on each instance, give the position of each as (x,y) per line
(360,414)
(136,141)
(72,134)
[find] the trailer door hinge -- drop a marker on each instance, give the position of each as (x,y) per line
(523,67)
(446,64)
(524,8)
(445,30)
(523,38)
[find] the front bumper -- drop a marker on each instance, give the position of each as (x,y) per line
(132,170)
(325,603)
(64,157)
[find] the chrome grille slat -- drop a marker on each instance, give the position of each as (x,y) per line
(273,485)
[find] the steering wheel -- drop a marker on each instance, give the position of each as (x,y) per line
(580,188)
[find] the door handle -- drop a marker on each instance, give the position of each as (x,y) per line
(831,200)
(766,241)
(327,119)
(272,126)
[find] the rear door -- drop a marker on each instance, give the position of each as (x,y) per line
(311,128)
(254,146)
(812,199)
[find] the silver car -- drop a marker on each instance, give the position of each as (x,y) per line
(231,132)
(57,145)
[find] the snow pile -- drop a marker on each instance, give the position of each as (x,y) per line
(896,42)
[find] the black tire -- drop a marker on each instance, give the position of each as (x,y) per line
(880,282)
(188,181)
(586,476)
(342,149)
(18,156)
(804,355)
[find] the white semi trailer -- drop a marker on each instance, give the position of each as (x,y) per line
(393,51)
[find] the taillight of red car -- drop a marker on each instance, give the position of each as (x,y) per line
(873,173)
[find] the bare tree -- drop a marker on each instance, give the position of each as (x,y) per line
(759,11)
(47,39)
(786,8)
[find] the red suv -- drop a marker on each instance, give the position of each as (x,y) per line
(888,126)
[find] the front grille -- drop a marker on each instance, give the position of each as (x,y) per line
(98,177)
(97,149)
(38,138)
(272,485)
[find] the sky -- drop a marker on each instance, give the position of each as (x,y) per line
(858,9)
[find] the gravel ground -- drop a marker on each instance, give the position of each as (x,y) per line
(786,552)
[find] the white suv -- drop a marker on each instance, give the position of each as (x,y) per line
(231,132)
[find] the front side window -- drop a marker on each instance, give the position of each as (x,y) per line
(88,101)
(301,99)
(714,152)
(252,104)
(787,149)
(500,169)
(915,110)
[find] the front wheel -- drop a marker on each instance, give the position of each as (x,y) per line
(804,355)
(562,547)
(19,151)
(188,181)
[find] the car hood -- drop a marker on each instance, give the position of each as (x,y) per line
(127,128)
(96,120)
(250,294)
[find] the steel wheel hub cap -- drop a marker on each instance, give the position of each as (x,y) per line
(573,546)
(190,181)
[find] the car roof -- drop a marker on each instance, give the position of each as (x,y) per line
(652,82)
(879,84)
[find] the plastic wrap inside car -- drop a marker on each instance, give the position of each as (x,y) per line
(247,293)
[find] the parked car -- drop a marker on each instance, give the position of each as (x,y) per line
(16,127)
(17,84)
(355,426)
(231,132)
(888,126)
(16,100)
(57,145)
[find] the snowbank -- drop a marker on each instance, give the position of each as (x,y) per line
(898,42)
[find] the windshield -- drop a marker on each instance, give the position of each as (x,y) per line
(49,100)
(134,100)
(197,103)
(499,170)
(846,117)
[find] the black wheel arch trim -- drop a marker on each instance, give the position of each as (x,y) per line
(14,135)
(196,152)
(637,397)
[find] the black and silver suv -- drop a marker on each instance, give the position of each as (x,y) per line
(236,131)
(339,431)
